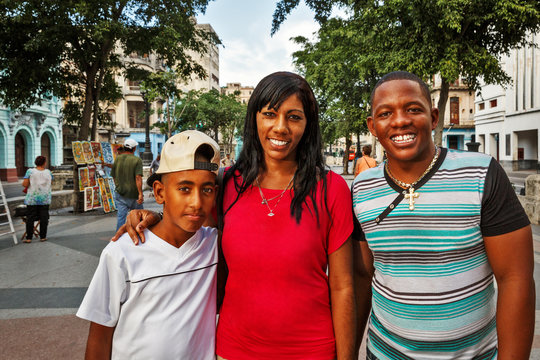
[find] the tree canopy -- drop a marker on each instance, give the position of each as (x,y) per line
(63,48)
(453,38)
(330,64)
(208,111)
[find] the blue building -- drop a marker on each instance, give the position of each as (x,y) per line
(28,134)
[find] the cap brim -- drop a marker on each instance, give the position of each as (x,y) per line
(152,178)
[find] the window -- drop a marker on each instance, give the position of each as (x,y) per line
(454,110)
(493,103)
(481,106)
(508,149)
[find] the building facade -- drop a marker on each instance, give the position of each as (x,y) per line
(129,112)
(28,134)
(508,119)
(459,113)
(243,92)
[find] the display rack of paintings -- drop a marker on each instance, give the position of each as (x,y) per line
(87,152)
(77,149)
(88,198)
(96,150)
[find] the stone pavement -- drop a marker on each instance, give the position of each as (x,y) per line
(42,284)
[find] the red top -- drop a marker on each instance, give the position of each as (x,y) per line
(277,299)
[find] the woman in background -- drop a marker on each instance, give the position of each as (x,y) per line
(38,198)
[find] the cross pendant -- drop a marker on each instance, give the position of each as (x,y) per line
(411,196)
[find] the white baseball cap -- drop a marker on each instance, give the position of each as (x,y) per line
(179,154)
(130,144)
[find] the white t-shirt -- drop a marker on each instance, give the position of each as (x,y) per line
(162,299)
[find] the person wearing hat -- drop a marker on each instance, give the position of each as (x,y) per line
(158,300)
(127,172)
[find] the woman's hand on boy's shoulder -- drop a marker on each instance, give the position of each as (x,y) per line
(136,222)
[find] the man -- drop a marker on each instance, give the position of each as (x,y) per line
(127,173)
(365,162)
(227,162)
(437,226)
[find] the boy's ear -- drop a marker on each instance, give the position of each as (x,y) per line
(159,188)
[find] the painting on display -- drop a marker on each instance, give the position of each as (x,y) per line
(77,149)
(92,175)
(112,186)
(110,194)
(96,150)
(107,153)
(84,179)
(88,198)
(106,196)
(87,152)
(96,201)
(115,148)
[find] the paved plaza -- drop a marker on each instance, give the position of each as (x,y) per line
(43,283)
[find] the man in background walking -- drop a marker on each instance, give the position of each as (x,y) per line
(127,173)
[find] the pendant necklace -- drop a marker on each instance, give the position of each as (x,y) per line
(409,193)
(265,200)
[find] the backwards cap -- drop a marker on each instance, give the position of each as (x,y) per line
(178,154)
(130,144)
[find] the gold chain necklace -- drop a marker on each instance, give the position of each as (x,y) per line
(411,195)
(265,201)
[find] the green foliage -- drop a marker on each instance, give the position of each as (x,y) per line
(210,112)
(331,65)
(452,38)
(60,47)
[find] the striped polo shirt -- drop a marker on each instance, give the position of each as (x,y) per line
(433,288)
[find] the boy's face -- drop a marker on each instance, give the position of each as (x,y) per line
(402,119)
(187,197)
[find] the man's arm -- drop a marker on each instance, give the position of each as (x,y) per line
(340,278)
(138,181)
(512,261)
(99,345)
(363,274)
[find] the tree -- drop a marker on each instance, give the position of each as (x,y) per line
(452,38)
(210,112)
(52,47)
(330,64)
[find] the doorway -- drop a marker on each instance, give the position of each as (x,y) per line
(46,149)
(20,152)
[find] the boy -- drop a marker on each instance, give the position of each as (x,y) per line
(438,226)
(158,300)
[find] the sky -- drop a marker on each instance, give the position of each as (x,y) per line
(249,52)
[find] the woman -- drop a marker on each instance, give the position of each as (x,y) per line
(38,198)
(285,221)
(365,162)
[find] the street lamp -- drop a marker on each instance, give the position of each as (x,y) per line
(146,156)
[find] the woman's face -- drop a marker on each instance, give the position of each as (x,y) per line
(280,130)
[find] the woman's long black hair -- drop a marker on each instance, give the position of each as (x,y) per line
(272,91)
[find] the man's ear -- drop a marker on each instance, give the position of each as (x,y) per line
(159,190)
(370,125)
(434,117)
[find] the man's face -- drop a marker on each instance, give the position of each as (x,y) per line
(402,119)
(188,198)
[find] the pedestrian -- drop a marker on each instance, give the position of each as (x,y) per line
(158,300)
(155,164)
(227,162)
(127,173)
(37,182)
(365,162)
(286,224)
(438,226)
